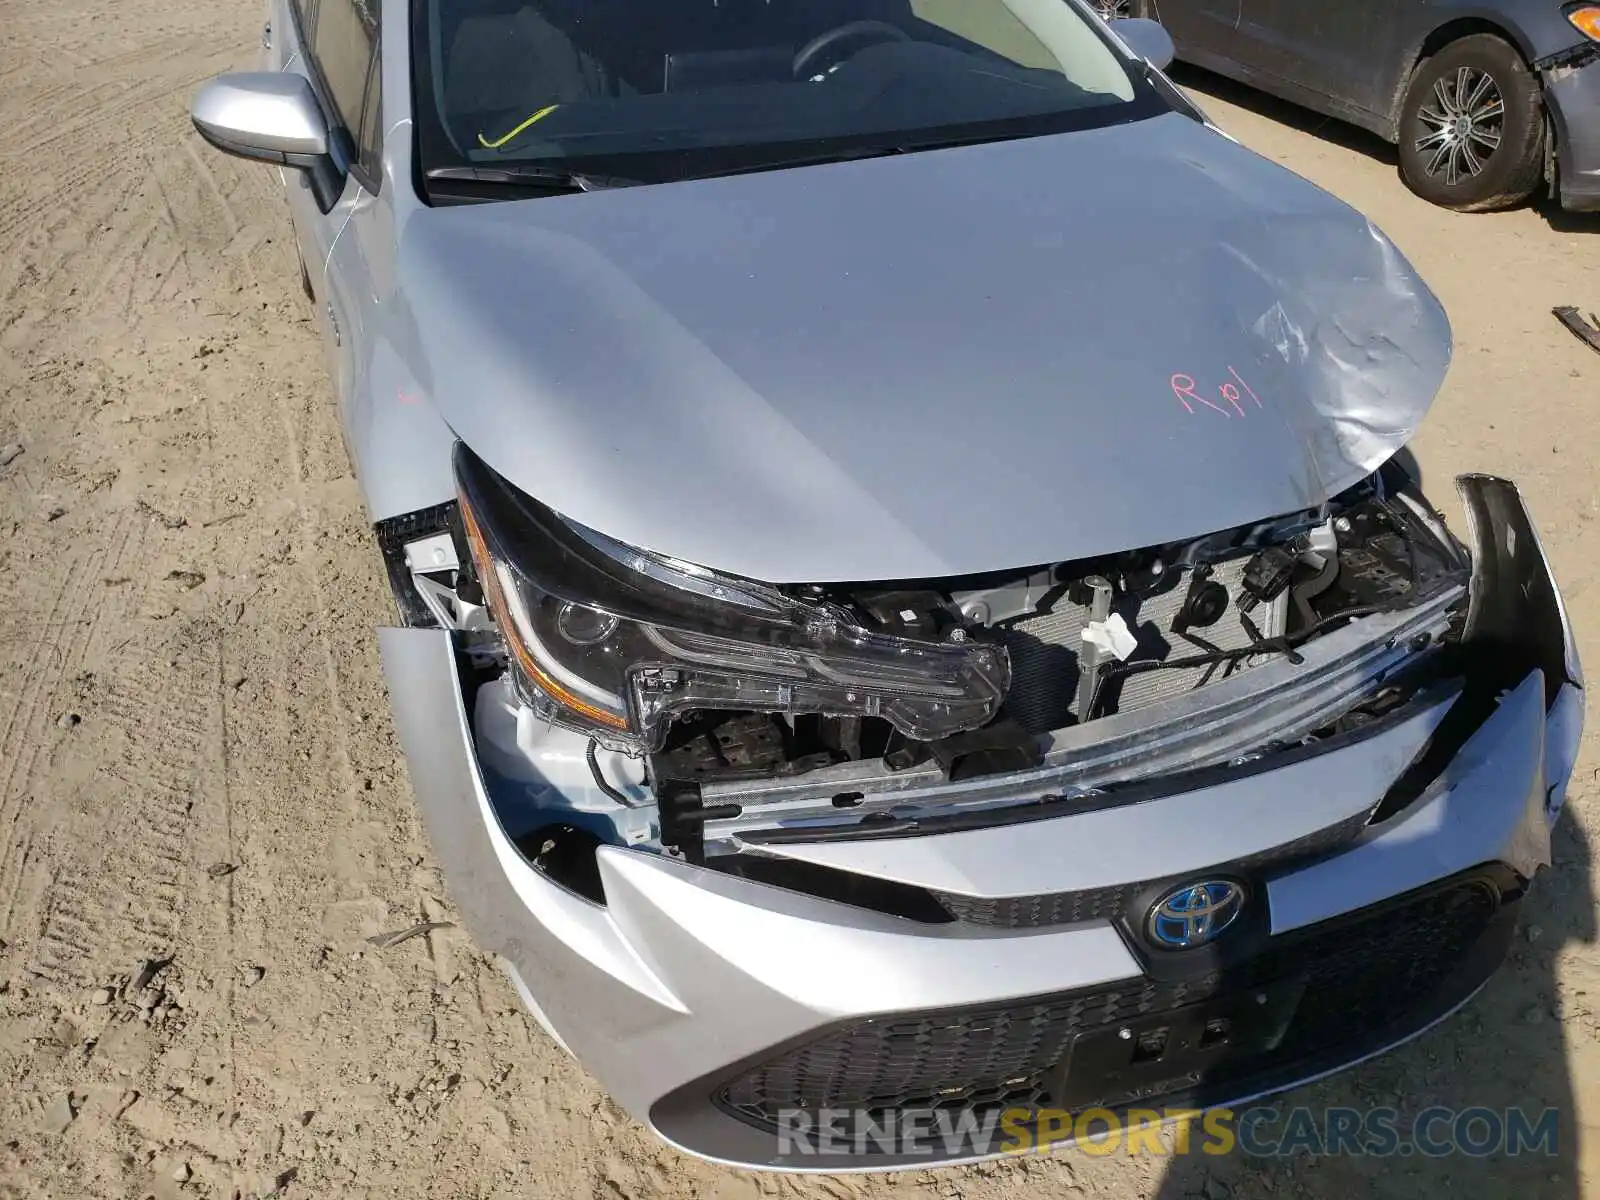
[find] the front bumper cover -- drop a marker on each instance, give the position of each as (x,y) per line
(686,973)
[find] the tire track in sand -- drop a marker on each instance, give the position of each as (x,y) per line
(58,644)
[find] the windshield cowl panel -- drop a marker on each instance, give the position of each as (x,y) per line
(678,89)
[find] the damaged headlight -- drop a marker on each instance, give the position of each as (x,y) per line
(615,641)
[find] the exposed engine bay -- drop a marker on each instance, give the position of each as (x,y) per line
(1087,640)
(841,704)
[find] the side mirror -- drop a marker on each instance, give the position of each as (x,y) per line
(270,116)
(1147,39)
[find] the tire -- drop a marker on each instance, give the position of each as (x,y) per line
(1459,147)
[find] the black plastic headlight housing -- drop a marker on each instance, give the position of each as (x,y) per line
(615,641)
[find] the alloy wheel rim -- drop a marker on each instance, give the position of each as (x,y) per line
(1110,10)
(1464,122)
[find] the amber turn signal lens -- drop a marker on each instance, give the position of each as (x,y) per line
(504,612)
(1587,20)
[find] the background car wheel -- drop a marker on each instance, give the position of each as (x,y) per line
(1472,127)
(1110,10)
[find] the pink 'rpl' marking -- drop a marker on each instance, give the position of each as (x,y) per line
(1183,387)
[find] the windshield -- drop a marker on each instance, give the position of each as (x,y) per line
(668,89)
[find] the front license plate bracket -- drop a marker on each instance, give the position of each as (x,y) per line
(1165,1052)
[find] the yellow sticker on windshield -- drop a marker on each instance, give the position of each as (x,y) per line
(538,116)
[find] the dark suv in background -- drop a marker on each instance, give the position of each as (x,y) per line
(1483,100)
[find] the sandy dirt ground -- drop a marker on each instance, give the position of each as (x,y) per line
(203,809)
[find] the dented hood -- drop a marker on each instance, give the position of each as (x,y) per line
(932,364)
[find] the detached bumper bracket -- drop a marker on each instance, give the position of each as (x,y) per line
(1585,331)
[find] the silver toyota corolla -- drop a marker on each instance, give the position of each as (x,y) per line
(910,612)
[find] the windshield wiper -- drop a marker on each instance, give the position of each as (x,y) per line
(845,154)
(854,154)
(555,179)
(528,175)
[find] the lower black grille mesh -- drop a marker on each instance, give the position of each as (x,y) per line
(1362,974)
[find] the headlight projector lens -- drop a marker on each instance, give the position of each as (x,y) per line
(584,626)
